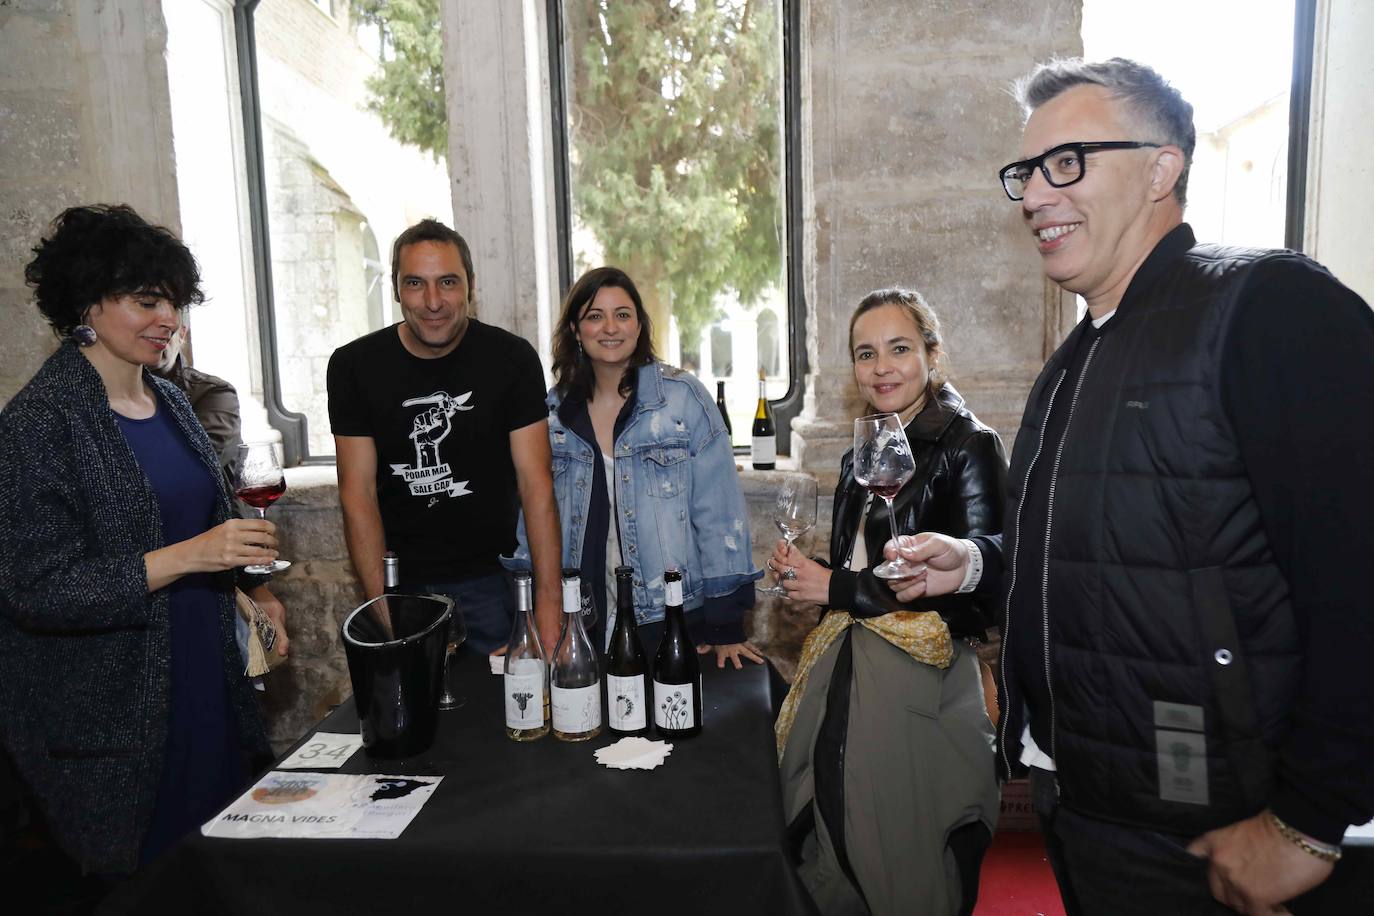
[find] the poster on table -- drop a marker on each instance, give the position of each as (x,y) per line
(301,805)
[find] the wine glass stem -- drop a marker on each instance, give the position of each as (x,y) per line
(892,523)
(448,691)
(262,513)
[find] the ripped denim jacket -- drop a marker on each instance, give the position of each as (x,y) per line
(678,502)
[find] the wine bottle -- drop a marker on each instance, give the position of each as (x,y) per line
(391,573)
(576,679)
(724,411)
(526,671)
(677,677)
(765,433)
(626,665)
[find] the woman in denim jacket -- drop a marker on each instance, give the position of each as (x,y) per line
(616,413)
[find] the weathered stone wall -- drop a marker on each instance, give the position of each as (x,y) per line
(318,590)
(905,121)
(84,117)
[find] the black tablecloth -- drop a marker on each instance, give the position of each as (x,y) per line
(529,827)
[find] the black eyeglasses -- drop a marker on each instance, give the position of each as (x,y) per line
(1061,166)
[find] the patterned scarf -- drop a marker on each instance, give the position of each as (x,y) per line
(923,635)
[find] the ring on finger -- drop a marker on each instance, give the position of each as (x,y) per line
(789,573)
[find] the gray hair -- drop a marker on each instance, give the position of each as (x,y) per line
(1159,108)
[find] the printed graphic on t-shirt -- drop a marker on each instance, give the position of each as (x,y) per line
(431,474)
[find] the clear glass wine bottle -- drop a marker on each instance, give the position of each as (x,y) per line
(575,693)
(526,670)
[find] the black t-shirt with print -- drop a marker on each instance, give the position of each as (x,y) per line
(445,481)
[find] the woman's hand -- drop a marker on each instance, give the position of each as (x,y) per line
(276,611)
(803,578)
(237,542)
(734,652)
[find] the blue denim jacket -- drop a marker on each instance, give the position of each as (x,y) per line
(678,497)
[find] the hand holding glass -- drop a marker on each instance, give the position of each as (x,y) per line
(259,482)
(883,463)
(794,514)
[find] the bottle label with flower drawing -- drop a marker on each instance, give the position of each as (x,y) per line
(524,683)
(673,706)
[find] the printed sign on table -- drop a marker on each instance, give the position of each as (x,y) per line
(303,805)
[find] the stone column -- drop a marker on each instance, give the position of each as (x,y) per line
(904,126)
(84,118)
(500,163)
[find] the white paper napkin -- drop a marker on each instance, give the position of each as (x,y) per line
(634,754)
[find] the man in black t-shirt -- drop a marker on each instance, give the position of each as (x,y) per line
(442,436)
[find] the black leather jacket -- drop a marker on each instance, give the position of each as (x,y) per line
(959,489)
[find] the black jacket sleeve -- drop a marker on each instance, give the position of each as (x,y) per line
(967,495)
(1297,385)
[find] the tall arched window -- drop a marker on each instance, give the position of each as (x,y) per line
(684,175)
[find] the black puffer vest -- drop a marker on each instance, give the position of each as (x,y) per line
(1174,657)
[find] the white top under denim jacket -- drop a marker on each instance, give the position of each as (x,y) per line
(678,500)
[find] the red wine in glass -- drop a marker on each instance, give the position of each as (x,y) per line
(261,497)
(883,463)
(259,482)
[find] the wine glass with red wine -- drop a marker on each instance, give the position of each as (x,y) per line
(883,463)
(259,482)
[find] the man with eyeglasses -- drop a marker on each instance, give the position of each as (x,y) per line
(1185,565)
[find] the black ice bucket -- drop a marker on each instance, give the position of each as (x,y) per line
(395,647)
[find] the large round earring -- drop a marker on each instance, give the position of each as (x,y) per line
(84,335)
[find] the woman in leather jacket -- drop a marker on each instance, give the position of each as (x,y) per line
(885,741)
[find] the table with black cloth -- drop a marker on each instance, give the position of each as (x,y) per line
(527,827)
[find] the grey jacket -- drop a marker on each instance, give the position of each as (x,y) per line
(84,647)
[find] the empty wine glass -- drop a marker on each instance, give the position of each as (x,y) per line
(883,463)
(794,514)
(457,635)
(259,482)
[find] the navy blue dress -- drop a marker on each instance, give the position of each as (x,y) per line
(204,766)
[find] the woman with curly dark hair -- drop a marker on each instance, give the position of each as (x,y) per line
(123,704)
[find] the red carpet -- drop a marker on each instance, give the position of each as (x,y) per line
(1016,878)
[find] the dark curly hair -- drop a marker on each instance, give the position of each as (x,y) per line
(572,370)
(103,250)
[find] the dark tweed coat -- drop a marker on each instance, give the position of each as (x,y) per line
(84,648)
